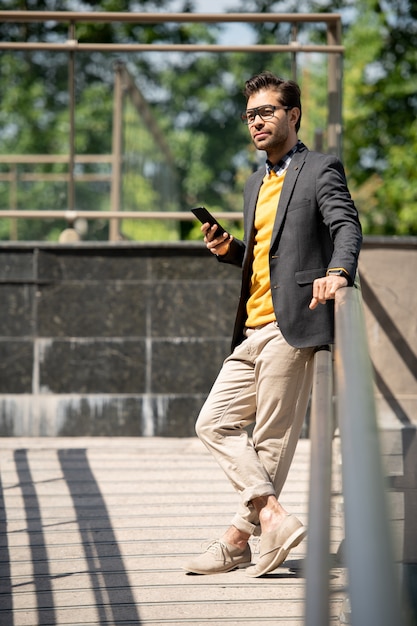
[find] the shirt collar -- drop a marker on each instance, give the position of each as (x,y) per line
(280,167)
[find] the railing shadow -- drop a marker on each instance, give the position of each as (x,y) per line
(109,582)
(40,563)
(6,605)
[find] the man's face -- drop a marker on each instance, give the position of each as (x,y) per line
(269,134)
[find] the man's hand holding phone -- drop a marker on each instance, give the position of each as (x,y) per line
(216,238)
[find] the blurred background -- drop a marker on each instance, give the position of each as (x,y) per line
(182,142)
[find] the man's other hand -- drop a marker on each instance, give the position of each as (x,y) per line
(325,289)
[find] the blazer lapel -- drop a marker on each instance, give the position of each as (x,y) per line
(291,176)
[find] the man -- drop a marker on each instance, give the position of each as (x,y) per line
(301,244)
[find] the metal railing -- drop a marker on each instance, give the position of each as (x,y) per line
(73,46)
(374,590)
(321,434)
(71,216)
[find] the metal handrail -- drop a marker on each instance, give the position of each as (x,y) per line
(374,590)
(153,18)
(321,432)
(373,584)
(332,20)
(71,216)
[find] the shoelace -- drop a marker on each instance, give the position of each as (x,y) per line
(218,548)
(255,544)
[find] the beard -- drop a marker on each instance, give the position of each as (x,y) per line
(271,142)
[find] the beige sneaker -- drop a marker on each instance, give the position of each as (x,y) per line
(219,557)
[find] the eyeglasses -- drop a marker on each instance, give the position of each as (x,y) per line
(265,113)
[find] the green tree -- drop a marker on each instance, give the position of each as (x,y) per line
(380,115)
(379,105)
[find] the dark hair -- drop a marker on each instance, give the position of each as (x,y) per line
(289,92)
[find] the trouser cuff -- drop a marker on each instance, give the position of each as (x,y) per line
(247,519)
(244,526)
(259,490)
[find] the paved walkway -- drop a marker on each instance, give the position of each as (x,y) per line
(95,531)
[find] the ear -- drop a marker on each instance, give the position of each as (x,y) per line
(294,115)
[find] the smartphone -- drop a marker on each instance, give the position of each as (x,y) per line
(205,216)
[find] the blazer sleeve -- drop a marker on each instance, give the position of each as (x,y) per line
(339,215)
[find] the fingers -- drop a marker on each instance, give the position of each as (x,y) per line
(325,289)
(216,245)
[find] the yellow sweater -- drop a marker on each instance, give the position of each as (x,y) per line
(259,307)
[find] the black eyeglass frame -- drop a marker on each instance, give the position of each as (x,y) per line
(256,111)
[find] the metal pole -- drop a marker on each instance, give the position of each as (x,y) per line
(71,92)
(102,215)
(116,151)
(318,553)
(294,42)
(153,18)
(334,86)
(164,48)
(373,586)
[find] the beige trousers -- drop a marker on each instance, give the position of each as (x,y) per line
(265,382)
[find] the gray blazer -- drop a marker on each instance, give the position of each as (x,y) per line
(316,228)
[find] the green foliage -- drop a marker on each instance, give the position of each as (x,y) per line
(149,230)
(379,104)
(380,116)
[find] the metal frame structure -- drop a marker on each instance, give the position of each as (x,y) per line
(72,46)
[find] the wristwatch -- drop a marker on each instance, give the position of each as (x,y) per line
(339,271)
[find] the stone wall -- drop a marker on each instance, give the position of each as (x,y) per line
(388,270)
(127,338)
(110,339)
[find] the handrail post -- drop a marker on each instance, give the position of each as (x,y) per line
(373,586)
(321,434)
(71,147)
(13,201)
(334,87)
(117,133)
